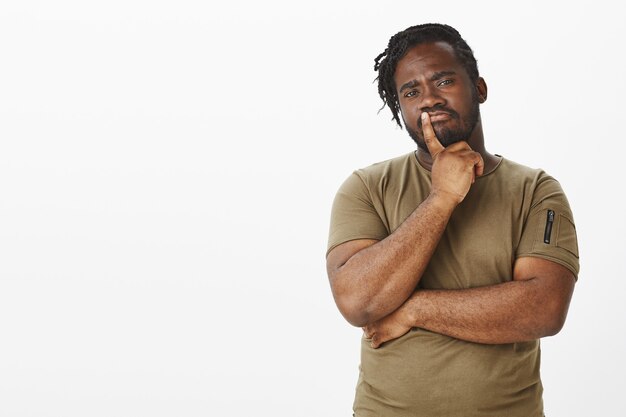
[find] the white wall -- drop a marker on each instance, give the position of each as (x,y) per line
(166,175)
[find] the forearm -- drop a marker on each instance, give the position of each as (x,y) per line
(511,312)
(378,279)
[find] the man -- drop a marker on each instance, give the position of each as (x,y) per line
(453,260)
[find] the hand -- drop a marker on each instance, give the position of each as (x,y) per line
(454,168)
(388,328)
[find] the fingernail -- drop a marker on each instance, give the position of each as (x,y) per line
(424,116)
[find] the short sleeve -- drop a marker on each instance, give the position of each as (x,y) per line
(549,231)
(353,214)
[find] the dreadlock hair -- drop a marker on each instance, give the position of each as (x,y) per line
(401,42)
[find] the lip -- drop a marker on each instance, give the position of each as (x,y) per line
(438,116)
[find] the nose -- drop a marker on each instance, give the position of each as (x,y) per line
(430,98)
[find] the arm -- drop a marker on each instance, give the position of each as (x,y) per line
(531,306)
(369,278)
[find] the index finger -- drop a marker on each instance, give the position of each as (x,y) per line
(479,168)
(432,142)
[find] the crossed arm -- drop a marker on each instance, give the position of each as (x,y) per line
(370,279)
(533,305)
(373,282)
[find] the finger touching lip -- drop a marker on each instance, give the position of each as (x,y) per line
(435,117)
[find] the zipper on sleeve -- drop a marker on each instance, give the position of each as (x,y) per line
(548,231)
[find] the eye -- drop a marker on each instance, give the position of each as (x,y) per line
(411,93)
(444,82)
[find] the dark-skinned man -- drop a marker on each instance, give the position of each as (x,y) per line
(453,260)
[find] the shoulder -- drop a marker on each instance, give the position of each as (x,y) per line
(535,183)
(385,170)
(517,172)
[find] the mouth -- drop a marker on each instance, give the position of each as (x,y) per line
(439,116)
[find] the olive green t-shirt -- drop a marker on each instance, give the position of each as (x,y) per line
(512,212)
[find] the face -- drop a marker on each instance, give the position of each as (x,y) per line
(430,79)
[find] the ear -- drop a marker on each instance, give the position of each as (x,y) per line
(481,89)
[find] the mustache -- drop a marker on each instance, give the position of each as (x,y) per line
(442,109)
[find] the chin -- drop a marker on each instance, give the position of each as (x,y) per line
(449,140)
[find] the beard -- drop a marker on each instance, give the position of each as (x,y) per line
(450,131)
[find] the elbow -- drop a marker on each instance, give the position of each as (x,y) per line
(556,324)
(356,321)
(353,309)
(555,320)
(551,329)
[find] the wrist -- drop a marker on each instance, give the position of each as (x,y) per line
(408,311)
(444,201)
(413,313)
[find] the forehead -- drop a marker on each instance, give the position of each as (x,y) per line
(424,59)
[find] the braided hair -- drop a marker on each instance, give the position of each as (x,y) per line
(401,42)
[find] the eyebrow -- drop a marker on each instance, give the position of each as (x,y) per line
(436,76)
